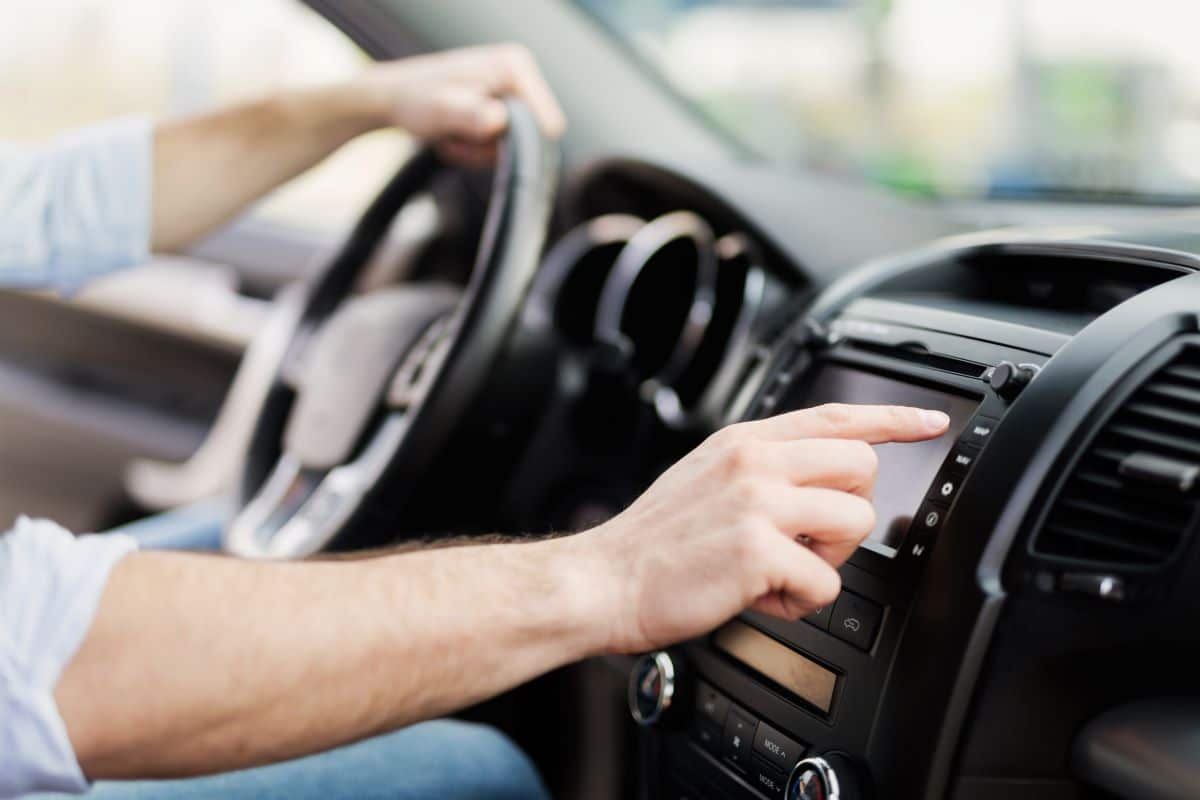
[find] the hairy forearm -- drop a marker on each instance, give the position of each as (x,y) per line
(208,168)
(198,664)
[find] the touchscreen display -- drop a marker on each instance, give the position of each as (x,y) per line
(905,470)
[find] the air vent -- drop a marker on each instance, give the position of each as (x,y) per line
(1130,501)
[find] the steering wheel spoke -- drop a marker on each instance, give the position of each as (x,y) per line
(299,512)
(416,372)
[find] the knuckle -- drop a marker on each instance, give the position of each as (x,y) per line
(516,55)
(739,456)
(749,495)
(836,415)
(866,459)
(728,434)
(901,418)
(864,517)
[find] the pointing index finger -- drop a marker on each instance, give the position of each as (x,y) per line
(873,424)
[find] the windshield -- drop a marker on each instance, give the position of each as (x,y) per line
(971,98)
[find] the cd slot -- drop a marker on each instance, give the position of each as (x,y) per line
(917,353)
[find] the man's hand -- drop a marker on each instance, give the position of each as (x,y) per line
(198,664)
(718,532)
(453,98)
(208,168)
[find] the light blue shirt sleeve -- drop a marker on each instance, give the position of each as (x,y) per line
(76,208)
(50,587)
(69,212)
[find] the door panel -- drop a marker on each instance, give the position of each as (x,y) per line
(82,392)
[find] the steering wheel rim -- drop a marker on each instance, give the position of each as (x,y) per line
(296,496)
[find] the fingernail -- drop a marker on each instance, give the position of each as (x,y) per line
(935,420)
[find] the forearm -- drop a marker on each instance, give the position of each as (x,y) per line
(197,664)
(208,168)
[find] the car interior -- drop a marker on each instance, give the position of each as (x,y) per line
(522,351)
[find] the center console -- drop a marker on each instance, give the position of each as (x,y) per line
(1030,569)
(770,708)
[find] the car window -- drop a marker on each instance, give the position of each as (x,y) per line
(65,63)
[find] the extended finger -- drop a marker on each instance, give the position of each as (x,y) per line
(874,424)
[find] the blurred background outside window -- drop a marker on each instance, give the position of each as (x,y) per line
(1013,98)
(65,63)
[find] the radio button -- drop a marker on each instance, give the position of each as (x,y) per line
(780,750)
(979,431)
(711,704)
(739,739)
(855,620)
(820,617)
(944,489)
(770,782)
(929,518)
(962,458)
(708,734)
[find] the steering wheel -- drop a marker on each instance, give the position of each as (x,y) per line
(370,386)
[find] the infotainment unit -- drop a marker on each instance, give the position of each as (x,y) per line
(772,702)
(906,471)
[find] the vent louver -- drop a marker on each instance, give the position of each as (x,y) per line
(1106,512)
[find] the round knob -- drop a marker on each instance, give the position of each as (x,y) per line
(653,687)
(813,779)
(1008,379)
(830,777)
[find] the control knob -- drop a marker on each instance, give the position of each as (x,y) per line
(655,689)
(833,776)
(1008,379)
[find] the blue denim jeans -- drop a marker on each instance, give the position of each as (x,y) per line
(439,759)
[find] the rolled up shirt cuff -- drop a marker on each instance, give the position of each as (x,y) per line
(51,583)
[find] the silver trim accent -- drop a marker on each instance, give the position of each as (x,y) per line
(833,789)
(564,257)
(323,512)
(244,532)
(709,409)
(666,670)
(636,256)
(722,386)
(421,364)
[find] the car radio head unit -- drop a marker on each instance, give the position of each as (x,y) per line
(906,471)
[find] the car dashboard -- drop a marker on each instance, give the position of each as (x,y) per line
(1031,572)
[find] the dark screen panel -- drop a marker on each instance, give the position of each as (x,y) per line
(906,470)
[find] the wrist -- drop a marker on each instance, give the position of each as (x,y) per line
(335,114)
(587,594)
